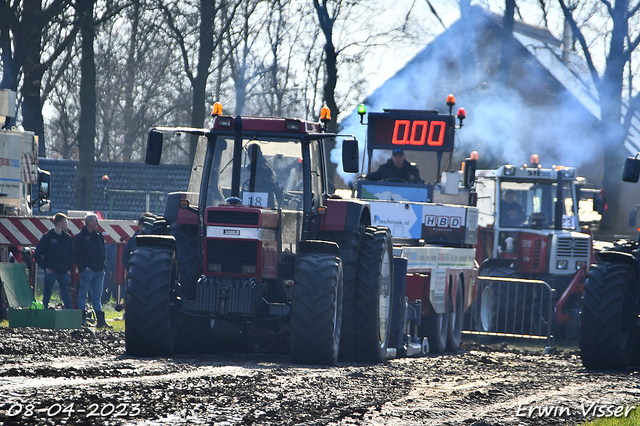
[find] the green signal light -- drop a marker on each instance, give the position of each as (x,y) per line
(362,109)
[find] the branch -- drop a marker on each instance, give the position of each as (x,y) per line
(632,11)
(632,46)
(433,10)
(609,7)
(583,43)
(180,39)
(62,46)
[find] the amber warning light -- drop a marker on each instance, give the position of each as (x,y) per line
(217,109)
(325,114)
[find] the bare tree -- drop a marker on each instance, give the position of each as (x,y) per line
(27,26)
(621,44)
(214,19)
(87,126)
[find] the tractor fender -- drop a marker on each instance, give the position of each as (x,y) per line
(500,263)
(317,246)
(345,215)
(620,257)
(165,241)
(173,213)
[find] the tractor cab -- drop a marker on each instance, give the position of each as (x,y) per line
(397,131)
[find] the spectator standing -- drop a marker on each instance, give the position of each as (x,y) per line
(53,254)
(90,257)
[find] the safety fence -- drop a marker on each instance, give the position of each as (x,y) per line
(511,308)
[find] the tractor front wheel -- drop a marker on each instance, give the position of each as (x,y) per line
(149,330)
(316,309)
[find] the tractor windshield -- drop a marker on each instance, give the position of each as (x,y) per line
(270,174)
(532,205)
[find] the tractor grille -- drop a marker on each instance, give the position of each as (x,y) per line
(231,255)
(232,217)
(570,247)
(537,255)
(222,295)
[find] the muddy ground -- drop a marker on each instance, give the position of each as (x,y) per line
(84,377)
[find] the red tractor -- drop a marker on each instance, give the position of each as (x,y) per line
(260,254)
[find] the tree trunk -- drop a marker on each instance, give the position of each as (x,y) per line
(610,91)
(329,88)
(9,71)
(506,49)
(205,54)
(28,47)
(87,126)
(129,122)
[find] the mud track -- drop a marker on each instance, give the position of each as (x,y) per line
(84,377)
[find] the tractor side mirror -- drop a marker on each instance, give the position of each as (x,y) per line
(469,172)
(350,156)
(44,184)
(154,147)
(631,171)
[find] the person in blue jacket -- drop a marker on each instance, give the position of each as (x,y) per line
(53,254)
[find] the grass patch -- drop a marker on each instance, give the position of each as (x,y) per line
(632,420)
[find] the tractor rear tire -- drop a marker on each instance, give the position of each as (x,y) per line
(455,321)
(607,336)
(349,247)
(374,296)
(316,309)
(149,329)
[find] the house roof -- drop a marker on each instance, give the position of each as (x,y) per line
(547,104)
(124,195)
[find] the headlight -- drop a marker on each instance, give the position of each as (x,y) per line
(509,171)
(224,121)
(214,267)
(249,269)
(581,265)
(562,264)
(569,173)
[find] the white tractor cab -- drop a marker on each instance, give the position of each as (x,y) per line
(529,228)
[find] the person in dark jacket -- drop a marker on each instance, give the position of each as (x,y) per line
(396,167)
(53,254)
(90,257)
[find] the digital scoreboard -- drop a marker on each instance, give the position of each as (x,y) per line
(412,130)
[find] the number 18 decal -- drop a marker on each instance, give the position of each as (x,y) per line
(419,134)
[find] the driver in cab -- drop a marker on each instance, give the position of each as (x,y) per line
(396,168)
